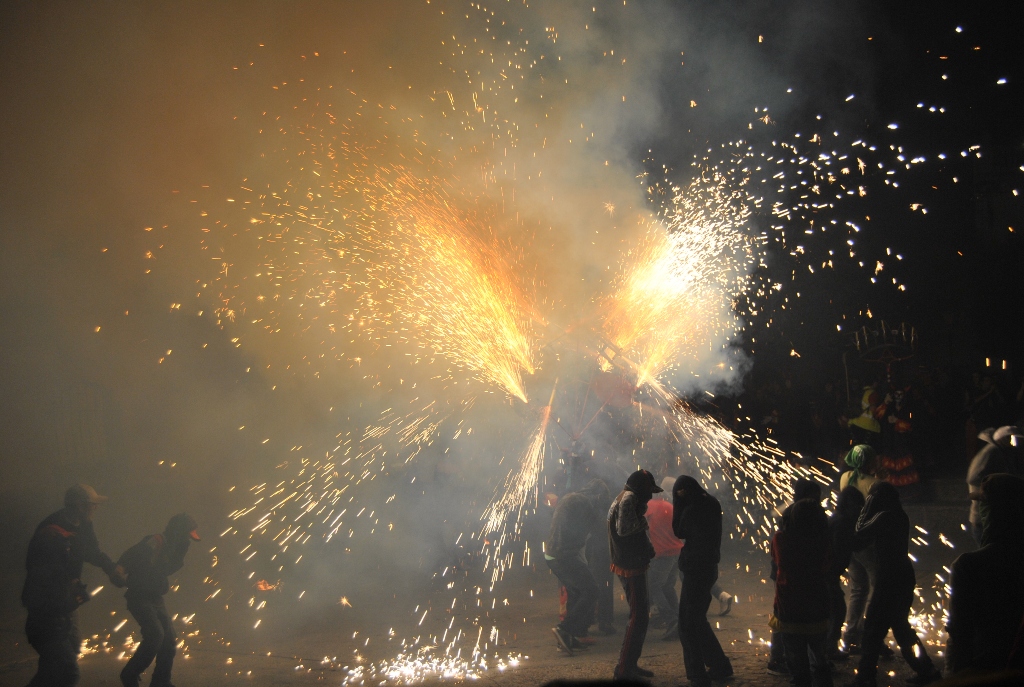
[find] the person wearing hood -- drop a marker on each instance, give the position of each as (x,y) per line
(697,520)
(803,490)
(801,554)
(1000,453)
(146,567)
(60,547)
(884,524)
(631,553)
(841,528)
(571,524)
(986,602)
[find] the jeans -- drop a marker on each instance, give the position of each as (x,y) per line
(860,589)
(636,629)
(805,655)
(701,650)
(158,641)
(582,592)
(889,608)
(836,614)
(662,578)
(55,638)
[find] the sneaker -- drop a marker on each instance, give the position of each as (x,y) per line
(778,668)
(672,633)
(724,603)
(563,639)
(607,630)
(924,678)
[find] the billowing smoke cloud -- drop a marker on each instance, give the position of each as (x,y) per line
(128,128)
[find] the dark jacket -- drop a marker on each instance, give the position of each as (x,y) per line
(802,555)
(629,544)
(571,523)
(57,553)
(842,526)
(697,520)
(884,523)
(987,591)
(148,563)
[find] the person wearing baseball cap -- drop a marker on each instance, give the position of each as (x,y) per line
(632,552)
(60,547)
(986,603)
(146,567)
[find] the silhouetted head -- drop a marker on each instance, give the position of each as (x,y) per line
(806,489)
(82,500)
(642,484)
(181,528)
(806,519)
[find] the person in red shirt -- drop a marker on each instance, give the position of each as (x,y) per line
(664,570)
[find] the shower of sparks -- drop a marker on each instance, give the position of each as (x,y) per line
(458,294)
(668,301)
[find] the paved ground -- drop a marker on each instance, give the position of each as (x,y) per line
(742,633)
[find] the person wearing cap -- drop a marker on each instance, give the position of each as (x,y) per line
(986,601)
(146,567)
(61,546)
(885,524)
(1000,453)
(697,520)
(632,552)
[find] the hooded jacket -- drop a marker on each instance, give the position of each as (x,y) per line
(57,553)
(802,555)
(884,523)
(697,520)
(629,545)
(987,597)
(842,526)
(148,564)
